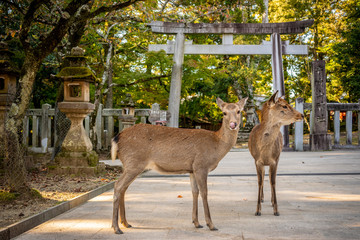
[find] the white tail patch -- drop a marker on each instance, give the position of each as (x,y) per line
(114,150)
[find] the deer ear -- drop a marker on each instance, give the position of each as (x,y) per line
(274,98)
(220,103)
(242,102)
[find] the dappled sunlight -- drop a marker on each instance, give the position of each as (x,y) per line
(103,198)
(354,225)
(78,225)
(321,196)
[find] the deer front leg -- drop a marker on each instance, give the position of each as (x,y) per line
(272,176)
(116,204)
(259,170)
(262,186)
(195,193)
(119,198)
(201,179)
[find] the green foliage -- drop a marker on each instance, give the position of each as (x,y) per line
(147,75)
(7,196)
(35,193)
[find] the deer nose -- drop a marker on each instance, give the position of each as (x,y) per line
(302,116)
(233,125)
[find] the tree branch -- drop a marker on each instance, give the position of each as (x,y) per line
(115,19)
(28,19)
(12,4)
(138,81)
(111,8)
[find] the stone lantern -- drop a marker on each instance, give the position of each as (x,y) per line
(128,112)
(8,75)
(76,156)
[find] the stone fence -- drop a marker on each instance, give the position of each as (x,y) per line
(336,108)
(39,132)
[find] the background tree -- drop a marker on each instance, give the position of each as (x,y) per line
(42,26)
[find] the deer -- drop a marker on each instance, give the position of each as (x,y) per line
(174,151)
(266,143)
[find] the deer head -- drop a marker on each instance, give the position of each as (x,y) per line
(231,113)
(280,112)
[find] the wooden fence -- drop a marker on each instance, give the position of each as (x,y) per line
(39,131)
(336,108)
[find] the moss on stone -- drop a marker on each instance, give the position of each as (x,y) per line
(7,196)
(35,193)
(76,73)
(93,159)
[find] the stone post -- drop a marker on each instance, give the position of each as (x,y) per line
(337,128)
(319,139)
(176,75)
(348,127)
(299,126)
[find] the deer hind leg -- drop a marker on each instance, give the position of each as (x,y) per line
(195,193)
(119,196)
(262,186)
(260,174)
(201,179)
(272,176)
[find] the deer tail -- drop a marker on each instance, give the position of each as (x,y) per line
(114,147)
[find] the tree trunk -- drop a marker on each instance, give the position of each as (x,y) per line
(15,171)
(265,17)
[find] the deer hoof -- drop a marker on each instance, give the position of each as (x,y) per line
(126,225)
(118,231)
(197,224)
(276,213)
(212,228)
(258,214)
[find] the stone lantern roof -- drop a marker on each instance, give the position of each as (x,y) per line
(76,69)
(128,102)
(6,66)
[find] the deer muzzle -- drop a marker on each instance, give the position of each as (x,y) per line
(233,125)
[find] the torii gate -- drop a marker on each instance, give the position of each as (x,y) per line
(275,47)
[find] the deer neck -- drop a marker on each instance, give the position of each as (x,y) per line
(270,129)
(227,137)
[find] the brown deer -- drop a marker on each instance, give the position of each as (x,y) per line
(266,143)
(174,151)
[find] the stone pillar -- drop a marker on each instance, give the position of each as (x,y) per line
(319,139)
(278,76)
(299,126)
(175,88)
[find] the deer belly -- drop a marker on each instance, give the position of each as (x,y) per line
(168,168)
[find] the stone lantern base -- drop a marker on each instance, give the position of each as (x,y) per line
(77,156)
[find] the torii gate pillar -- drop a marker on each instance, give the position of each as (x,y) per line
(278,76)
(176,76)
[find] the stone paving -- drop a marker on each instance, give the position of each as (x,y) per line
(318,197)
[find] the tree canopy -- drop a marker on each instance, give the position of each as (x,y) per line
(121,26)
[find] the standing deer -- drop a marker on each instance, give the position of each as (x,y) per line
(266,143)
(174,151)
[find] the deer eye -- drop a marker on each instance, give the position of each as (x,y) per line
(238,112)
(285,107)
(224,113)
